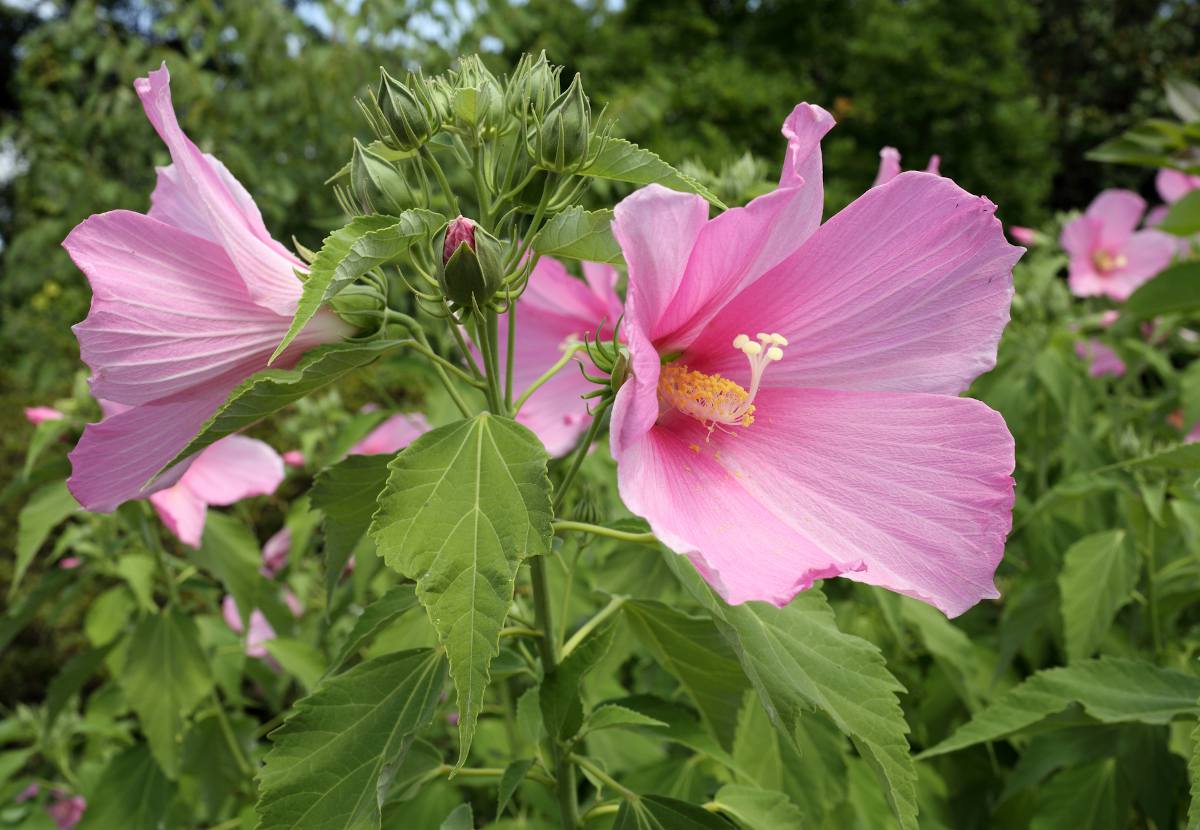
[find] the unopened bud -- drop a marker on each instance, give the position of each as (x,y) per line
(533,87)
(479,101)
(471,269)
(377,184)
(564,135)
(403,112)
(460,231)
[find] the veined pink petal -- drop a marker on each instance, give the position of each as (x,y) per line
(602,279)
(802,166)
(1080,238)
(275,551)
(907,289)
(1173,185)
(1118,213)
(232,469)
(40,414)
(266,270)
(182,511)
(392,435)
(911,492)
(889,166)
(1101,359)
(1146,254)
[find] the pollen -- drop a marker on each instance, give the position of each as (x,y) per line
(717,401)
(1106,262)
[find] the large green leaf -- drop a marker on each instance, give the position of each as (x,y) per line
(1177,289)
(693,650)
(756,809)
(657,812)
(797,659)
(351,251)
(1088,795)
(132,793)
(48,507)
(164,676)
(623,161)
(326,768)
(376,616)
(272,389)
(580,234)
(230,553)
(347,494)
(562,708)
(1110,689)
(1098,577)
(465,505)
(1183,219)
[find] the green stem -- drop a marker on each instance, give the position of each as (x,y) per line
(511,348)
(155,544)
(604,808)
(604,777)
(549,373)
(489,366)
(564,526)
(239,755)
(580,454)
(451,199)
(493,341)
(1151,589)
(614,605)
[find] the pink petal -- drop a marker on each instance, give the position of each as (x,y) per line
(67,812)
(802,165)
(229,611)
(39,414)
(1101,359)
(232,469)
(1081,238)
(889,166)
(1022,235)
(1146,254)
(1118,213)
(266,269)
(394,434)
(1155,216)
(935,165)
(275,551)
(258,635)
(182,511)
(910,492)
(635,409)
(907,289)
(294,458)
(602,280)
(1173,185)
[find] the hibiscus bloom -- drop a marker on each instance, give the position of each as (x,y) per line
(1101,359)
(1173,185)
(1108,255)
(556,311)
(187,302)
(259,632)
(1023,235)
(392,435)
(793,413)
(889,165)
(275,551)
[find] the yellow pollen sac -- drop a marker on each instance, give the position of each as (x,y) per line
(1105,262)
(710,399)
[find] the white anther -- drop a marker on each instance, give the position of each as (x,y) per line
(774,353)
(778,339)
(752,349)
(740,342)
(763,336)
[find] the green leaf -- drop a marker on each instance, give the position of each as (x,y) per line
(1110,689)
(657,812)
(623,161)
(1174,290)
(272,389)
(460,818)
(44,434)
(138,571)
(756,809)
(797,660)
(1182,457)
(132,793)
(611,716)
(465,505)
(562,709)
(694,651)
(164,676)
(580,234)
(1183,219)
(374,618)
(1098,577)
(1193,819)
(513,775)
(77,671)
(325,766)
(351,251)
(301,660)
(47,508)
(230,552)
(347,494)
(1088,795)
(1184,99)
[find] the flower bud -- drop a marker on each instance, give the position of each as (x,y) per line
(358,307)
(406,117)
(471,269)
(533,87)
(564,135)
(376,182)
(479,100)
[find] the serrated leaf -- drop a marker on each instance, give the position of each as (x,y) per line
(580,234)
(272,389)
(797,659)
(325,767)
(612,716)
(1175,289)
(346,254)
(1089,795)
(693,650)
(513,775)
(756,809)
(1110,689)
(375,617)
(624,161)
(347,494)
(1099,574)
(165,676)
(1182,457)
(562,708)
(132,793)
(465,505)
(47,508)
(657,812)
(1183,217)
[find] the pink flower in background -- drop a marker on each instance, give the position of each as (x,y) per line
(1108,255)
(187,302)
(793,412)
(392,435)
(40,414)
(70,563)
(275,551)
(67,811)
(293,458)
(555,311)
(232,469)
(1173,185)
(259,632)
(889,165)
(1101,359)
(1023,236)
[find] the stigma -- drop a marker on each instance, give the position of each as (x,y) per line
(717,401)
(1106,262)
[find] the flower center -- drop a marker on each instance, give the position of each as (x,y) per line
(718,401)
(1106,262)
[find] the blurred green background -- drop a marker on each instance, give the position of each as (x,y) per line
(1009,92)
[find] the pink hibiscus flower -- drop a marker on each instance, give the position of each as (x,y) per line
(793,411)
(555,311)
(40,414)
(187,302)
(1108,255)
(259,632)
(275,551)
(392,435)
(889,165)
(1173,185)
(1023,235)
(1101,359)
(232,469)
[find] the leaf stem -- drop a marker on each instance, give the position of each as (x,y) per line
(564,526)
(614,605)
(580,454)
(604,777)
(546,376)
(451,199)
(239,755)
